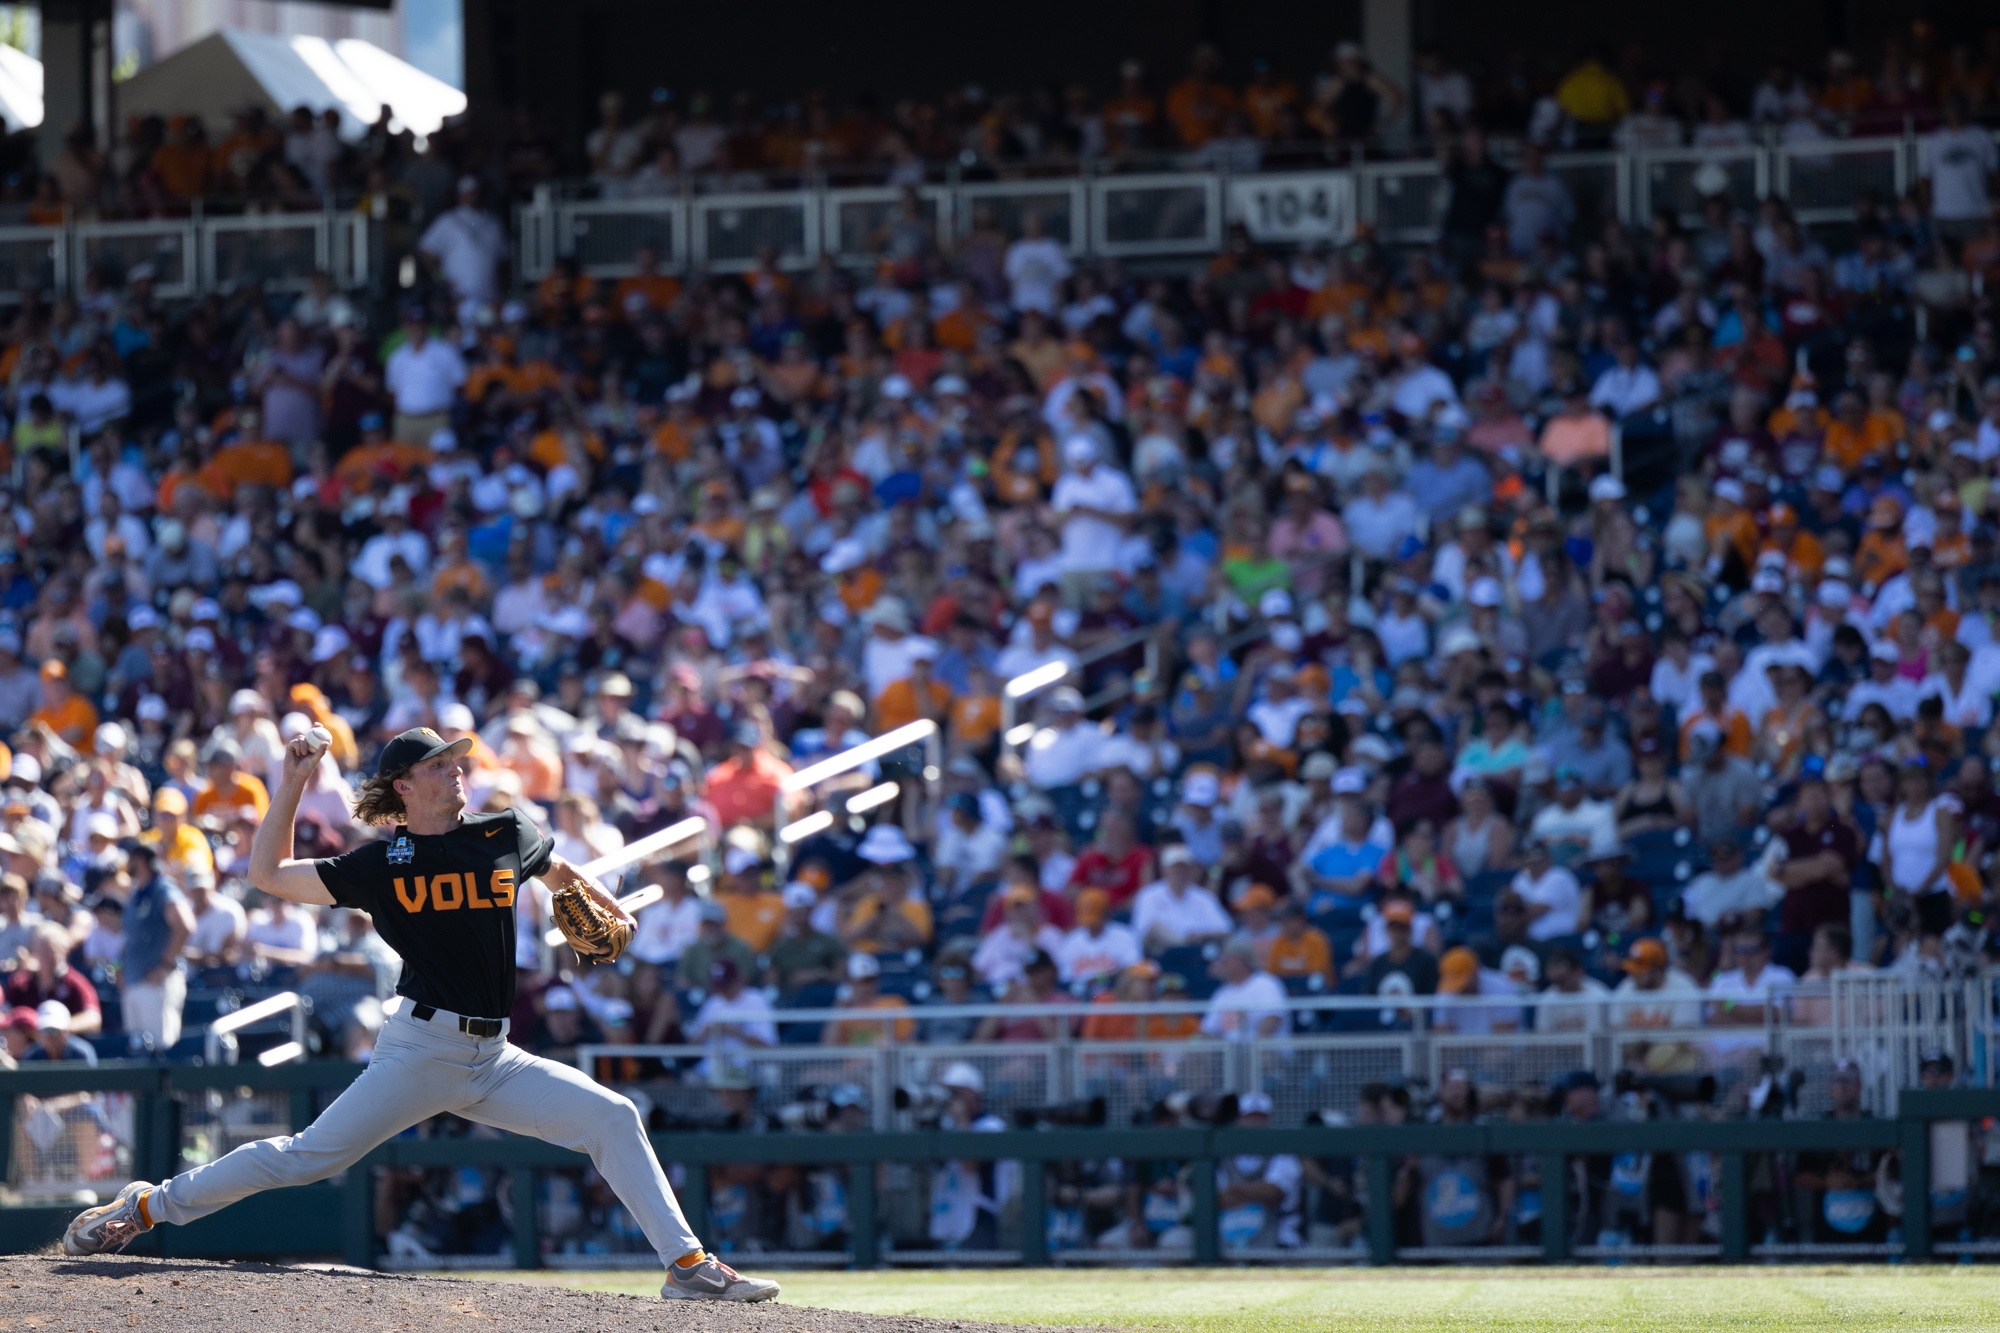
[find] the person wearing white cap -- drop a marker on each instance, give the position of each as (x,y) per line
(53,1037)
(1096,502)
(864,993)
(1175,909)
(1259,1199)
(803,954)
(1069,749)
(328,797)
(1198,818)
(255,734)
(967,1196)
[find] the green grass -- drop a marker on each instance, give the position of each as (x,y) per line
(1249,1300)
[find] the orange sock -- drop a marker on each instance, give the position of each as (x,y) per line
(145,1214)
(690,1259)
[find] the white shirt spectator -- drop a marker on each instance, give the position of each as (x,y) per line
(1419,389)
(1709,897)
(1957,163)
(94,406)
(1623,390)
(973,855)
(1090,543)
(424,379)
(1730,987)
(1675,1004)
(1175,918)
(1036,268)
(1237,1011)
(1558,890)
(1592,823)
(749,1013)
(294,932)
(469,245)
(1063,758)
(1376,527)
(213,928)
(1002,955)
(1083,956)
(666,929)
(372,564)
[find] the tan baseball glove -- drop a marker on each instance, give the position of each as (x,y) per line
(592,929)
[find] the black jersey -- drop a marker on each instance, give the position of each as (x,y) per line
(445,902)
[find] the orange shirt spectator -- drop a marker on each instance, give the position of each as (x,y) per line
(253,462)
(744,787)
(1574,437)
(1737,735)
(64,711)
(974,718)
(549,449)
(858,1032)
(239,791)
(359,466)
(1264,102)
(898,705)
(1848,443)
(644,291)
(1306,954)
(1196,106)
(754,917)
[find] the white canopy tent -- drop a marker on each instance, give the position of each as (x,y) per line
(20,89)
(229,70)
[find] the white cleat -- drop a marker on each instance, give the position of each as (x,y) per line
(112,1226)
(713,1280)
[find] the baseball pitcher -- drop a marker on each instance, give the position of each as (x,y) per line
(441,891)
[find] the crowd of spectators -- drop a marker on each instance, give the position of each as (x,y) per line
(1231,112)
(1383,680)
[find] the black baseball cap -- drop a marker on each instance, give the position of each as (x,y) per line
(416,745)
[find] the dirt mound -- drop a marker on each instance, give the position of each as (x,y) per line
(115,1292)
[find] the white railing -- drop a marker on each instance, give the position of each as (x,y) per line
(1883,1023)
(219,1044)
(1189,212)
(191,256)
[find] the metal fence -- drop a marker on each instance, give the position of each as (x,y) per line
(1327,1048)
(153,1121)
(1187,212)
(189,256)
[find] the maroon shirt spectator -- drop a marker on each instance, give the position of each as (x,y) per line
(1425,791)
(1822,851)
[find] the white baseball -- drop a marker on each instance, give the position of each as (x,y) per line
(319,738)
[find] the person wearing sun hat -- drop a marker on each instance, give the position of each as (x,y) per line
(886,912)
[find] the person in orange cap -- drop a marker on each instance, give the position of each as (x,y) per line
(1097,949)
(1654,993)
(1460,974)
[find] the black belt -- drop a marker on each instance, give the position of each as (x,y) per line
(477,1027)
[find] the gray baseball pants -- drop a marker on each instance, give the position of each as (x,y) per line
(422,1069)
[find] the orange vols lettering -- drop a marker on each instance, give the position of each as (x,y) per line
(503,888)
(442,903)
(411,902)
(473,898)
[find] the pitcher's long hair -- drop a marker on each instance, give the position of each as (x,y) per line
(376,800)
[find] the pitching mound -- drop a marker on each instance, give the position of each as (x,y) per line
(115,1292)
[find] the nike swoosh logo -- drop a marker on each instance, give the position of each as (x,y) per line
(490,832)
